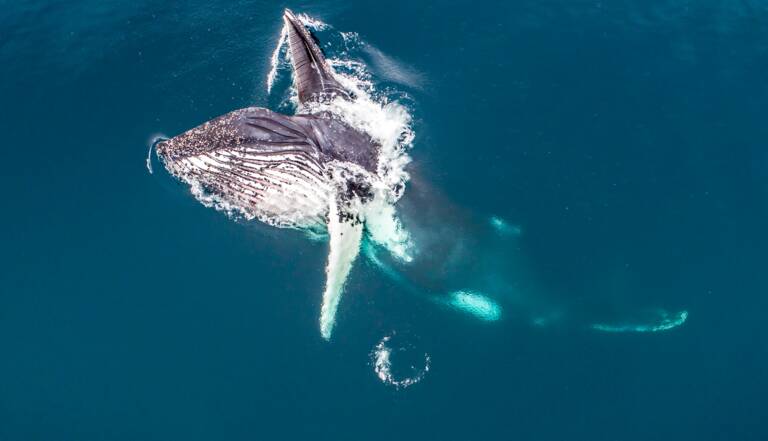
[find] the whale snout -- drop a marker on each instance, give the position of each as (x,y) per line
(161,148)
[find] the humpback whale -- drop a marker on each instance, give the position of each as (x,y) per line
(317,172)
(307,171)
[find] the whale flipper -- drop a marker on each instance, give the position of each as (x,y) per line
(345,232)
(312,75)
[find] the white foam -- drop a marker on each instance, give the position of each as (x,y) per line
(149,158)
(212,200)
(153,140)
(382,357)
(385,229)
(274,60)
(663,321)
(387,122)
(351,39)
(312,23)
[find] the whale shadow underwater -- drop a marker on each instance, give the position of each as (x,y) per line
(328,172)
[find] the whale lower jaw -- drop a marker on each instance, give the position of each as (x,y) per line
(287,190)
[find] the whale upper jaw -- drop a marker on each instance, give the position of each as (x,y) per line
(313,77)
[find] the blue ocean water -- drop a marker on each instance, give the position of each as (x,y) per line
(624,142)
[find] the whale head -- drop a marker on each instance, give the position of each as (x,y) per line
(252,163)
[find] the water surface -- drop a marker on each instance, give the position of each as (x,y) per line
(627,141)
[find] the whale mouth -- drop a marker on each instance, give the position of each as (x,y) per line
(160,148)
(334,169)
(252,164)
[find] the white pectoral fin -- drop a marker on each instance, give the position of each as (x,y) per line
(345,234)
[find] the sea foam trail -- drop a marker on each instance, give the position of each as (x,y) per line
(274,60)
(154,139)
(149,158)
(663,321)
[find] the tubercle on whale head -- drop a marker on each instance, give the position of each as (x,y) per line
(161,149)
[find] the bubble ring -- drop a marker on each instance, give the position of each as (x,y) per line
(382,365)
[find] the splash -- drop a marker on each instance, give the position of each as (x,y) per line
(371,111)
(384,356)
(389,123)
(385,229)
(312,23)
(663,321)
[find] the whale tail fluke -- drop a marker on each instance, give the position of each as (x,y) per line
(313,77)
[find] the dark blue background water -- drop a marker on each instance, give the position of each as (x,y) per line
(627,138)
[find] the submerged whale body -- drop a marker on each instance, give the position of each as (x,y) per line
(308,171)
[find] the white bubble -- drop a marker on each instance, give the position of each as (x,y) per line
(399,365)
